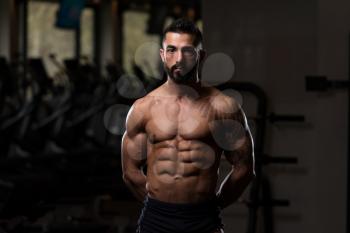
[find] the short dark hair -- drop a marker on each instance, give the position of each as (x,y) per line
(183,25)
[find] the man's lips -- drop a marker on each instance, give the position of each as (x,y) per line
(177,69)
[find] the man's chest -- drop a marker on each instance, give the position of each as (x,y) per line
(169,119)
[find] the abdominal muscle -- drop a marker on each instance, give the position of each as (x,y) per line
(188,175)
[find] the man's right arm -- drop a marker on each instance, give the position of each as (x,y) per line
(134,153)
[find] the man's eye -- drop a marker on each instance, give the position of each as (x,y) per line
(189,51)
(170,50)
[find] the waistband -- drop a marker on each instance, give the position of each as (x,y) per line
(205,206)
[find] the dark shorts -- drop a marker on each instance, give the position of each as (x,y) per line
(162,217)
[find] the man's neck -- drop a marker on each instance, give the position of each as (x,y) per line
(190,89)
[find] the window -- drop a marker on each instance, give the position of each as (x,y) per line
(45,39)
(138,46)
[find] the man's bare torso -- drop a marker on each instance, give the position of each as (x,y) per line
(182,154)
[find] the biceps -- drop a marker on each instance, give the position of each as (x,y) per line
(242,154)
(134,150)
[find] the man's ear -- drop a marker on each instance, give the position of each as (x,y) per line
(202,55)
(161,52)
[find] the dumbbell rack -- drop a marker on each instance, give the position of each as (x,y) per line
(260,192)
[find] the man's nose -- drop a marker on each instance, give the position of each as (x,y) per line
(179,56)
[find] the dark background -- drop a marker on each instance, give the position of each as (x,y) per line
(60,131)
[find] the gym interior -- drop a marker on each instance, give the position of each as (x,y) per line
(71,70)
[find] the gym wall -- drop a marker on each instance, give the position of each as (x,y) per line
(275,44)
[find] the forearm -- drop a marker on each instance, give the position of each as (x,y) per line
(233,186)
(136,182)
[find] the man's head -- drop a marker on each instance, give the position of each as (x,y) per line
(181,51)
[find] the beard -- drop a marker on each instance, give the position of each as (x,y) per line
(178,76)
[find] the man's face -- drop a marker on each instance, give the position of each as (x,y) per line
(180,57)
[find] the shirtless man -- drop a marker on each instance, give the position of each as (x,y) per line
(179,132)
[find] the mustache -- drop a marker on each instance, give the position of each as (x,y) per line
(176,66)
(182,67)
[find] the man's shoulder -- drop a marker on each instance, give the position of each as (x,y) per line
(145,102)
(137,115)
(224,102)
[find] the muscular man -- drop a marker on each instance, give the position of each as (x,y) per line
(179,132)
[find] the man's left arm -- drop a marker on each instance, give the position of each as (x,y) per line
(240,154)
